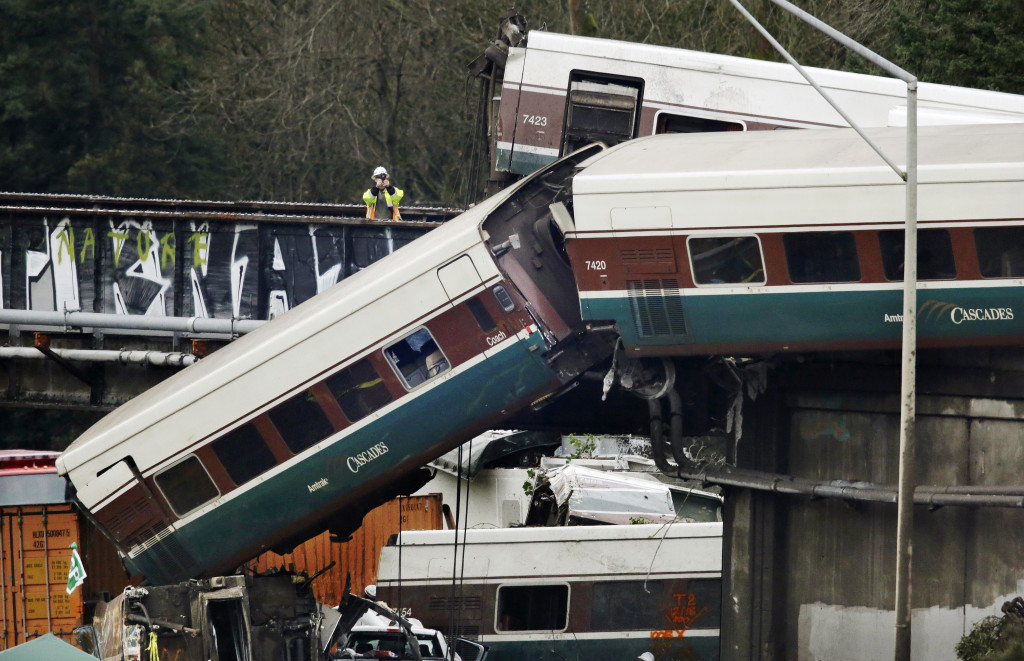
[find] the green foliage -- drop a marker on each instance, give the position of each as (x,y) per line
(993,639)
(300,99)
(638,520)
(973,43)
(582,448)
(89,103)
(528,485)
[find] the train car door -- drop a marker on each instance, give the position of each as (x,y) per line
(459,277)
(136,514)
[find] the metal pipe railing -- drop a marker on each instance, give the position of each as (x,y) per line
(138,322)
(933,496)
(124,357)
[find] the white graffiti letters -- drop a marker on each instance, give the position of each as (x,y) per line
(355,462)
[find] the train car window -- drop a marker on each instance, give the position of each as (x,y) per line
(821,257)
(721,260)
(656,605)
(504,300)
(934,254)
(600,108)
(670,123)
(359,390)
(186,485)
(532,608)
(301,422)
(1000,251)
(483,318)
(417,358)
(243,453)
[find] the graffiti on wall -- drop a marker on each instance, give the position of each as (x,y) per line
(190,268)
(140,255)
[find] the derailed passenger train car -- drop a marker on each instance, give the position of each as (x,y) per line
(770,241)
(558,92)
(600,592)
(332,408)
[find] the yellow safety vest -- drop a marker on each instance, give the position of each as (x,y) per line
(370,198)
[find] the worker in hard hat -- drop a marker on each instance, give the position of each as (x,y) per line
(382,198)
(646,656)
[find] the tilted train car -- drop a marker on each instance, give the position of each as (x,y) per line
(793,240)
(332,408)
(602,593)
(560,92)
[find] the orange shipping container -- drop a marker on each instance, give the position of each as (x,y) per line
(357,557)
(35,554)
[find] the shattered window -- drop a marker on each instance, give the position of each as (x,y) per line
(721,260)
(532,608)
(934,254)
(821,257)
(656,605)
(359,390)
(301,422)
(417,358)
(186,485)
(244,453)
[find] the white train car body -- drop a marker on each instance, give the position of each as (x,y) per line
(560,92)
(793,241)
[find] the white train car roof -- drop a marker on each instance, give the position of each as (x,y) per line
(761,89)
(773,178)
(234,372)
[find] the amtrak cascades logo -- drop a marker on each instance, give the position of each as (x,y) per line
(936,310)
(356,462)
(960,315)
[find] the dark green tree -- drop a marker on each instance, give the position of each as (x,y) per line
(90,99)
(972,43)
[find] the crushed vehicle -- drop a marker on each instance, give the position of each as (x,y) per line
(222,618)
(380,633)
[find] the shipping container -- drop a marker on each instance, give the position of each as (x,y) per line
(36,555)
(358,556)
(37,529)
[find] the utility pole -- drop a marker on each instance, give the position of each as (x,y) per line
(908,392)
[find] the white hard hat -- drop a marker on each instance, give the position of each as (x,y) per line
(646,656)
(380,171)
